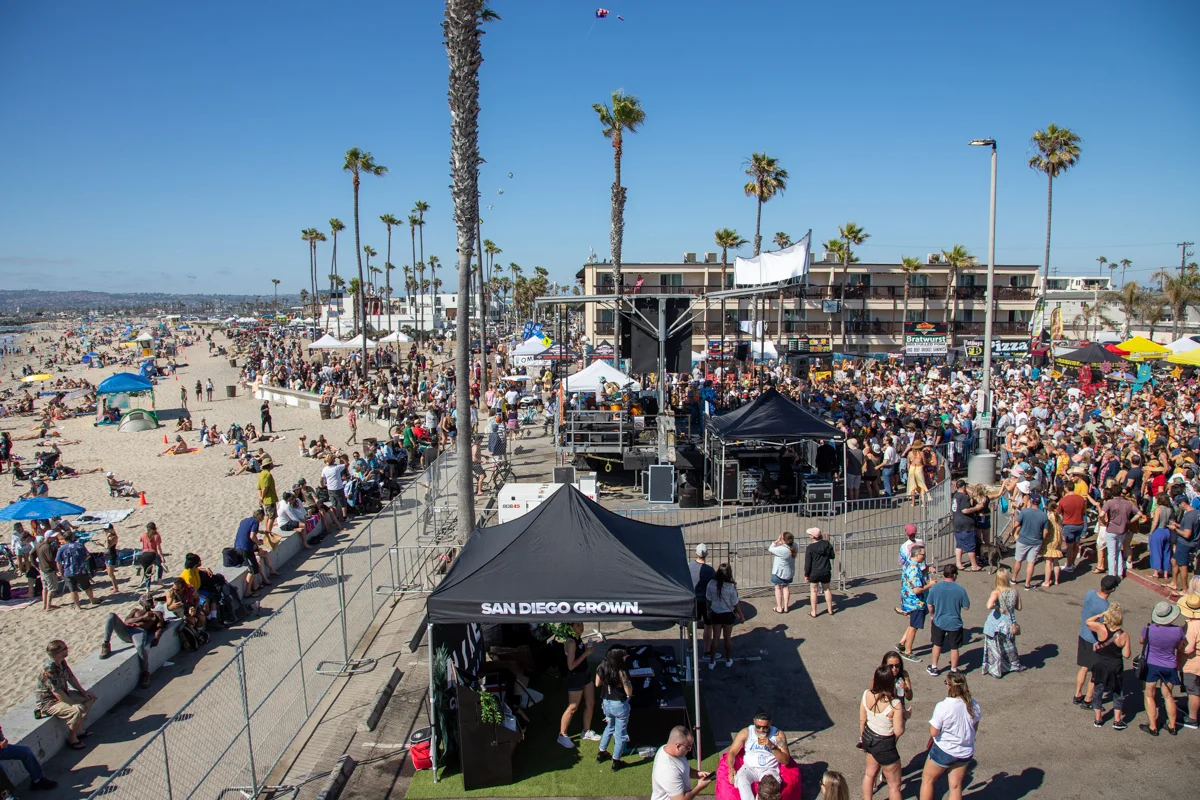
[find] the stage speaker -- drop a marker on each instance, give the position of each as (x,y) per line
(661,484)
(564,475)
(689,497)
(799,367)
(742,351)
(643,343)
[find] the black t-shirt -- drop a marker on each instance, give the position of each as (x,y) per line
(826,458)
(701,575)
(1134,478)
(614,691)
(818,560)
(960,502)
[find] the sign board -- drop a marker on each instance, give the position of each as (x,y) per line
(925,339)
(804,345)
(718,349)
(1013,348)
(831,306)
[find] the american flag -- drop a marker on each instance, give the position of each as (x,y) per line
(601,13)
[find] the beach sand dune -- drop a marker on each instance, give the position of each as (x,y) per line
(195,507)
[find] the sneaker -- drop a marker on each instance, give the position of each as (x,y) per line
(144,680)
(932,670)
(105,649)
(617,764)
(712,665)
(729,663)
(43,784)
(602,756)
(1146,728)
(1173,731)
(566,742)
(1120,726)
(1098,723)
(591,736)
(909,657)
(1077,700)
(1068,568)
(956,670)
(1188,722)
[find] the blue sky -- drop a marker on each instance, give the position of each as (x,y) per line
(146,140)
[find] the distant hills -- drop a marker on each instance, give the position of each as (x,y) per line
(30,302)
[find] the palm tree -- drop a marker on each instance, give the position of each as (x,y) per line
(624,115)
(782,240)
(359,162)
(413,222)
(275,282)
(1151,311)
(726,238)
(1102,261)
(369,251)
(1057,151)
(387,275)
(492,251)
(1130,298)
(434,261)
(316,295)
(309,235)
(852,235)
(336,226)
(355,290)
(1125,264)
(767,179)
(1179,292)
(909,266)
(389,220)
(956,258)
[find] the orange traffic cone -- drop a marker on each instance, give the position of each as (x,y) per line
(142,500)
(165,439)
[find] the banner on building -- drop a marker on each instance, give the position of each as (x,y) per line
(805,345)
(1000,348)
(925,339)
(775,267)
(721,350)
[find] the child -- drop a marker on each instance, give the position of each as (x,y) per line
(834,787)
(1052,544)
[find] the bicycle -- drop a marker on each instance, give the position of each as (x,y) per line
(496,472)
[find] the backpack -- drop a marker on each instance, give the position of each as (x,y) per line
(189,638)
(230,557)
(5,590)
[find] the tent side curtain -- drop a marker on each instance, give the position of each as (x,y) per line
(567,560)
(772,416)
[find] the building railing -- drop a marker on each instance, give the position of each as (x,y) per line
(853,292)
(230,735)
(895,328)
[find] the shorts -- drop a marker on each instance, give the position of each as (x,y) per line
(965,541)
(820,580)
(916,618)
(939,756)
(1028,553)
(881,748)
(1084,656)
(79,583)
(853,481)
(576,681)
(72,713)
(778,581)
(1072,533)
(725,618)
(1191,684)
(269,511)
(945,640)
(250,559)
(1156,674)
(337,498)
(1184,555)
(111,558)
(49,580)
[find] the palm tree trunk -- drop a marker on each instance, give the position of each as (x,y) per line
(421,234)
(1046,262)
(758,228)
(361,305)
(907,284)
(332,283)
(413,232)
(617,235)
(724,267)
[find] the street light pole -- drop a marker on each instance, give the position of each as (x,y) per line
(982,466)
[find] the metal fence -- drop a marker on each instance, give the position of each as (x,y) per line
(866,534)
(231,734)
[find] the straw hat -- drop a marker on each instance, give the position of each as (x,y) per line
(1164,613)
(1189,606)
(1154,466)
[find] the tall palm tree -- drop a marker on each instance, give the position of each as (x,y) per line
(956,258)
(357,163)
(767,179)
(490,248)
(1125,264)
(1057,150)
(418,272)
(369,251)
(309,236)
(355,291)
(335,226)
(1102,261)
(389,220)
(909,266)
(852,235)
(419,209)
(782,240)
(463,29)
(434,261)
(1151,311)
(275,283)
(1129,299)
(1179,292)
(625,115)
(726,238)
(387,275)
(316,295)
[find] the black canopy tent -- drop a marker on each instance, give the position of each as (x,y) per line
(770,419)
(568,560)
(1093,353)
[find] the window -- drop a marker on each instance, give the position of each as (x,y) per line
(670,280)
(858,279)
(966,315)
(966,280)
(916,315)
(919,280)
(606,315)
(1022,282)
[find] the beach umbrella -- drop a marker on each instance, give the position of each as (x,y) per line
(40,508)
(41,376)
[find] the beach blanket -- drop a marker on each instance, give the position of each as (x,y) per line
(98,519)
(16,603)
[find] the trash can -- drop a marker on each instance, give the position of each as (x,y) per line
(325,413)
(233,362)
(231,391)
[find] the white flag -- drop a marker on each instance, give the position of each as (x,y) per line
(781,265)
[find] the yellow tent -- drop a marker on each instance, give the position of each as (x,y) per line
(1191,358)
(1140,348)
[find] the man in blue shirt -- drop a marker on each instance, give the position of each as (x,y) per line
(245,543)
(947,600)
(72,560)
(1094,602)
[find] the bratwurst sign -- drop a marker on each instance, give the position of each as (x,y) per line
(552,608)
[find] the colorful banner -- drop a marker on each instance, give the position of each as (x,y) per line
(925,339)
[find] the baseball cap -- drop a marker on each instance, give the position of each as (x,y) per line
(910,529)
(1109,582)
(702,549)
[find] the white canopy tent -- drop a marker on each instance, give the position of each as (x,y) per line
(326,342)
(395,337)
(765,350)
(1183,344)
(597,373)
(356,344)
(530,347)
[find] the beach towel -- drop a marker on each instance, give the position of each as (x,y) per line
(17,602)
(98,519)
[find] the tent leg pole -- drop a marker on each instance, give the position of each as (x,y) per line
(696,688)
(433,738)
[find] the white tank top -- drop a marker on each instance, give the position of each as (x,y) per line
(757,754)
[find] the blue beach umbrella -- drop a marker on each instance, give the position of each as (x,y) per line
(40,508)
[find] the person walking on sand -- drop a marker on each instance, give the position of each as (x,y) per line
(264,412)
(208,388)
(199,390)
(183,397)
(352,419)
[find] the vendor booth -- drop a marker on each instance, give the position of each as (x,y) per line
(754,446)
(121,400)
(569,560)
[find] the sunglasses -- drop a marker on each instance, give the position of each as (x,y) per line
(763,728)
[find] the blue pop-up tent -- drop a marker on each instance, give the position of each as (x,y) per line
(117,392)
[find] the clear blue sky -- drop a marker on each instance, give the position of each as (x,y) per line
(145,142)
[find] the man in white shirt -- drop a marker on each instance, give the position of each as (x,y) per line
(671,776)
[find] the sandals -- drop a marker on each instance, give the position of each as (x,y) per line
(77,745)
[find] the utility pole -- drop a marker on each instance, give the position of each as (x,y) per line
(1183,255)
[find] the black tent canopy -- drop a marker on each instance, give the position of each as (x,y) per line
(772,416)
(569,559)
(1093,353)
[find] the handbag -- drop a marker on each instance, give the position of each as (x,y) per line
(1140,665)
(271,539)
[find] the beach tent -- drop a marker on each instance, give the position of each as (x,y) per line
(1140,348)
(326,342)
(394,337)
(772,416)
(145,336)
(532,346)
(295,321)
(1094,353)
(119,390)
(148,369)
(356,344)
(598,373)
(1184,344)
(124,383)
(1188,358)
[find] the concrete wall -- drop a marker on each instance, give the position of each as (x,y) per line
(113,678)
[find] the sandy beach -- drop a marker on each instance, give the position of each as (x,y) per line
(195,507)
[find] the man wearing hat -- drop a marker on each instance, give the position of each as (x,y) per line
(267,496)
(702,574)
(1094,602)
(1189,609)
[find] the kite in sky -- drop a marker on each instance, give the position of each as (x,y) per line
(602,13)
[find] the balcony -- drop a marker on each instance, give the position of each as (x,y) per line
(895,328)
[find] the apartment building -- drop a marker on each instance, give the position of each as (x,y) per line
(871,302)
